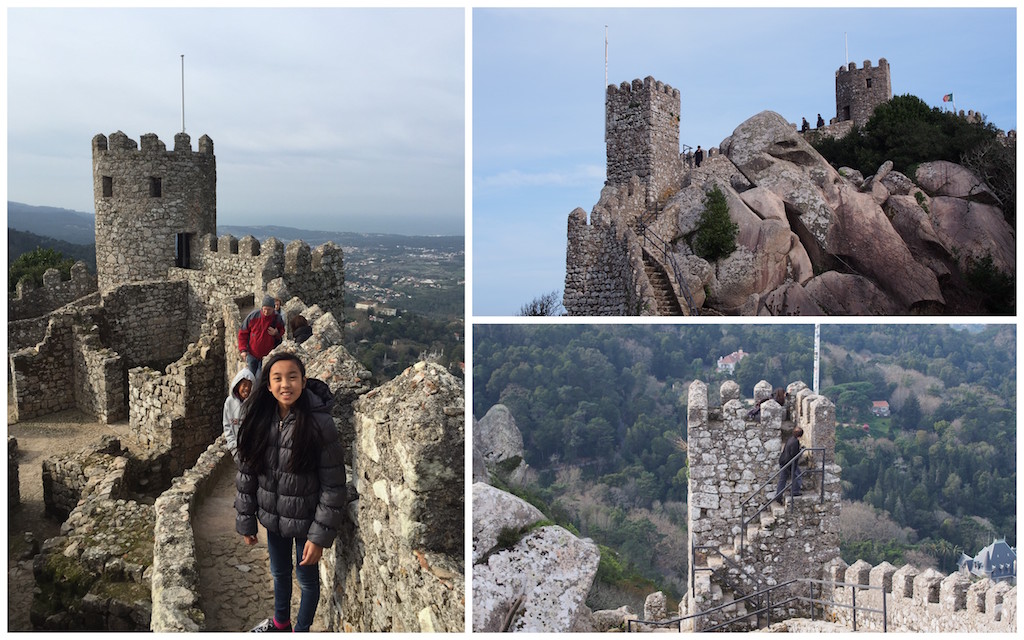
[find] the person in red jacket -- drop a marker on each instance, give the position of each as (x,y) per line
(261,331)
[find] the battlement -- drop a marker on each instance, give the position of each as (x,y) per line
(923,601)
(119,142)
(852,66)
(30,301)
(648,84)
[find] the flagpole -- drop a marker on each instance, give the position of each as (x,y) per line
(183,93)
(846,41)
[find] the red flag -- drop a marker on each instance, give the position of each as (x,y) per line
(948,97)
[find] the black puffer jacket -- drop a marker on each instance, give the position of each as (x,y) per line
(309,505)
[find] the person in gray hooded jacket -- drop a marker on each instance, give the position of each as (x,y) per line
(291,478)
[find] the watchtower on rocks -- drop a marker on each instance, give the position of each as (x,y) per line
(741,541)
(152,205)
(859,91)
(642,136)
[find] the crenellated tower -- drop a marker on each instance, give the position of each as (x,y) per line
(152,205)
(859,91)
(642,136)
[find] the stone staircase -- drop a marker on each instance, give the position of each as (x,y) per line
(667,301)
(726,583)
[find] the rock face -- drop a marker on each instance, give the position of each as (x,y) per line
(498,437)
(494,510)
(540,583)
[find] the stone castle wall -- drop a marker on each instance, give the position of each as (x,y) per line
(642,136)
(175,579)
(859,91)
(604,268)
(100,385)
(31,301)
(145,197)
(922,602)
(401,568)
(146,323)
(226,267)
(43,375)
(179,412)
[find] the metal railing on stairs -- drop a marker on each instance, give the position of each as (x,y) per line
(656,243)
(722,573)
(795,473)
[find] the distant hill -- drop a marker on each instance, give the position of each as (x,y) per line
(20,242)
(78,227)
(344,238)
(75,227)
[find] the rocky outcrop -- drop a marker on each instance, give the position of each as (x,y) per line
(943,178)
(494,510)
(805,228)
(974,231)
(536,584)
(500,444)
(499,437)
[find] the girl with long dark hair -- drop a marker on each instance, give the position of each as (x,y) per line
(291,478)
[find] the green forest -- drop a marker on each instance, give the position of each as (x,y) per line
(603,417)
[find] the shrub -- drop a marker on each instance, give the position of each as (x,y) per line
(715,236)
(32,265)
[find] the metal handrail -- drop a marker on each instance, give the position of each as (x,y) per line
(724,575)
(764,595)
(658,243)
(771,481)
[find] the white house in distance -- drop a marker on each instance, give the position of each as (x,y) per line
(880,408)
(728,363)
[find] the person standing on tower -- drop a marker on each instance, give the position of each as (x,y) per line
(790,452)
(821,122)
(698,156)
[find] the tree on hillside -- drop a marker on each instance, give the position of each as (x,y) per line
(32,265)
(908,418)
(716,233)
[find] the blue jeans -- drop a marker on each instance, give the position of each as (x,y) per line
(255,365)
(280,550)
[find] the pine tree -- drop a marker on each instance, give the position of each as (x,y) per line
(716,233)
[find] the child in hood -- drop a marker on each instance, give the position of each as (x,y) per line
(241,387)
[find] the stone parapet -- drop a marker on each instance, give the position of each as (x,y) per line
(31,301)
(401,568)
(175,582)
(925,602)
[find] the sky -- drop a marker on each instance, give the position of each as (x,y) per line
(328,119)
(539,84)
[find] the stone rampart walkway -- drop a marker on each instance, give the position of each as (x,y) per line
(235,586)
